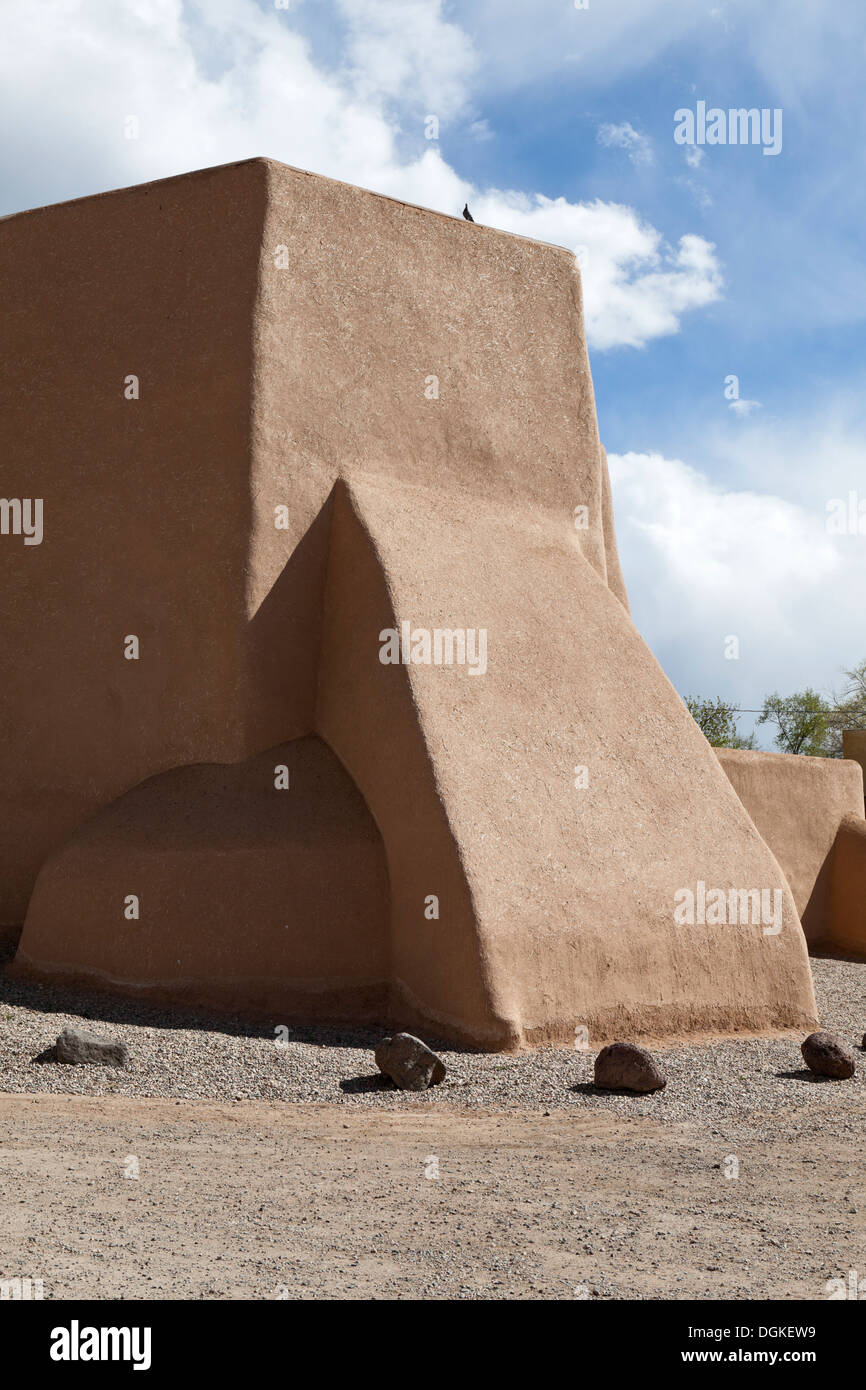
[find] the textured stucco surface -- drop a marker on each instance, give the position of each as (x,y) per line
(847,887)
(854,747)
(146,502)
(798,804)
(245,892)
(556,903)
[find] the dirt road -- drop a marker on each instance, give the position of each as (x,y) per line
(256,1201)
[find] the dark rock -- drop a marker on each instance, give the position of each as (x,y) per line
(77,1048)
(409,1062)
(828,1056)
(626,1067)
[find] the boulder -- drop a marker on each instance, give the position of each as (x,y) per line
(78,1048)
(828,1056)
(626,1067)
(409,1062)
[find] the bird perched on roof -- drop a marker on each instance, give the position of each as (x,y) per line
(467,214)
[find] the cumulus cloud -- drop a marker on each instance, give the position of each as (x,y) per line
(211,81)
(635,286)
(407,51)
(703,563)
(625,137)
(809,455)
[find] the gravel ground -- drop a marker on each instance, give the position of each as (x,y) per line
(259,1200)
(515,1179)
(188,1057)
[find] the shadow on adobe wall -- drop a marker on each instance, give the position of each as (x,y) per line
(105,1008)
(283,642)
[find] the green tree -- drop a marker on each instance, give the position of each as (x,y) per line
(717,719)
(847,708)
(802,722)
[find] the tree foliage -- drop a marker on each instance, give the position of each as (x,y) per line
(801,720)
(806,722)
(847,708)
(717,720)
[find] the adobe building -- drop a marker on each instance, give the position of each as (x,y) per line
(809,811)
(284,430)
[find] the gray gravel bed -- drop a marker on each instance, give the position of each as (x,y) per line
(191,1056)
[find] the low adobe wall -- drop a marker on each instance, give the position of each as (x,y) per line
(274,866)
(854,747)
(848,887)
(797,805)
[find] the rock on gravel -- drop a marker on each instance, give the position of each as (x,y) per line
(626,1067)
(409,1062)
(76,1047)
(187,1054)
(828,1056)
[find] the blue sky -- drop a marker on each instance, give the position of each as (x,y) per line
(558,122)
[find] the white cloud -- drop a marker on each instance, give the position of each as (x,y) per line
(694,156)
(406,51)
(703,563)
(212,81)
(625,137)
(635,286)
(480,130)
(744,407)
(808,455)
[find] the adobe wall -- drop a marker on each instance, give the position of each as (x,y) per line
(797,804)
(854,747)
(146,502)
(847,887)
(401,344)
(212,886)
